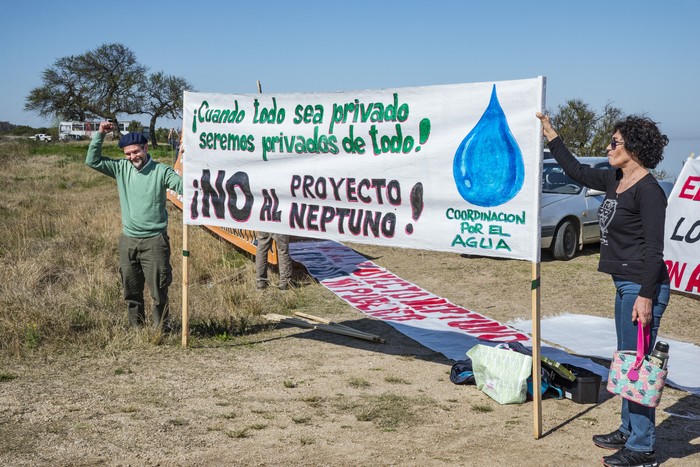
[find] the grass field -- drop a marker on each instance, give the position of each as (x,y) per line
(59,284)
(79,387)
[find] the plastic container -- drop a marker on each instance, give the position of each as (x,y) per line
(584,389)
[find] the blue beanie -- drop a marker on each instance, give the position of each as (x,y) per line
(132,138)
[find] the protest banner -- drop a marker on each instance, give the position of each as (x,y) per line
(682,230)
(449,168)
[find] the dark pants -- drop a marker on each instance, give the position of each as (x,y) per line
(146,261)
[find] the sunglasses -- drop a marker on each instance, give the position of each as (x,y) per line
(615,143)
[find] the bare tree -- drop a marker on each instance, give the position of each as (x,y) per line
(163,98)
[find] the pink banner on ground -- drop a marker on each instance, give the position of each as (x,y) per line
(433,321)
(414,311)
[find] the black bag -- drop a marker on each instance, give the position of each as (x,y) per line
(462,372)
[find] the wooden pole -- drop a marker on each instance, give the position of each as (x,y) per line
(332,328)
(185,258)
(536,358)
(185,283)
(317,319)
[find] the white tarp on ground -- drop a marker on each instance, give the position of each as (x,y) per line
(449,168)
(452,330)
(599,340)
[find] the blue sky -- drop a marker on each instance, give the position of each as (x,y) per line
(641,56)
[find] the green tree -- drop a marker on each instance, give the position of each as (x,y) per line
(134,126)
(63,92)
(575,122)
(117,78)
(104,83)
(605,129)
(100,83)
(585,132)
(163,98)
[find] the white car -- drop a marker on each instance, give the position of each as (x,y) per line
(569,214)
(569,211)
(41,137)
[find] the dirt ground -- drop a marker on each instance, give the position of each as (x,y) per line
(289,396)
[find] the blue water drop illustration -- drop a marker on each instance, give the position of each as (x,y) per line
(488,166)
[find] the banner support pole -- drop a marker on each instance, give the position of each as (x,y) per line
(536,341)
(185,265)
(536,357)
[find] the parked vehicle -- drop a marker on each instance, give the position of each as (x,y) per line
(569,214)
(75,130)
(41,137)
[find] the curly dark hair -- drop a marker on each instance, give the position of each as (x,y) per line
(643,139)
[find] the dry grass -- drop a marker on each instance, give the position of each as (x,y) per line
(80,388)
(60,289)
(59,283)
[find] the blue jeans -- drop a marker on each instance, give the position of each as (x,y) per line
(638,421)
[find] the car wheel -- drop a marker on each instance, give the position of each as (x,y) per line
(565,241)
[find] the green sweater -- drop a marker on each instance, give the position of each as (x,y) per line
(142,193)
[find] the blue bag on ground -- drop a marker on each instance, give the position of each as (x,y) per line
(462,372)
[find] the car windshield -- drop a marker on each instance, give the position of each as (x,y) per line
(554,180)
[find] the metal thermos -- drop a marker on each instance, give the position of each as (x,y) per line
(659,356)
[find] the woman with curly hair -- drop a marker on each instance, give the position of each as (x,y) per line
(631,219)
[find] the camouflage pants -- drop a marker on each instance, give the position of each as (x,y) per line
(283,258)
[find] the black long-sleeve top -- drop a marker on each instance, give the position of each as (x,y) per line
(631,222)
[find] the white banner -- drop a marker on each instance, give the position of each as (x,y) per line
(682,243)
(450,168)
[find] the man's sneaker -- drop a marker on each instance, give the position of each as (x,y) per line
(261,285)
(614,440)
(625,457)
